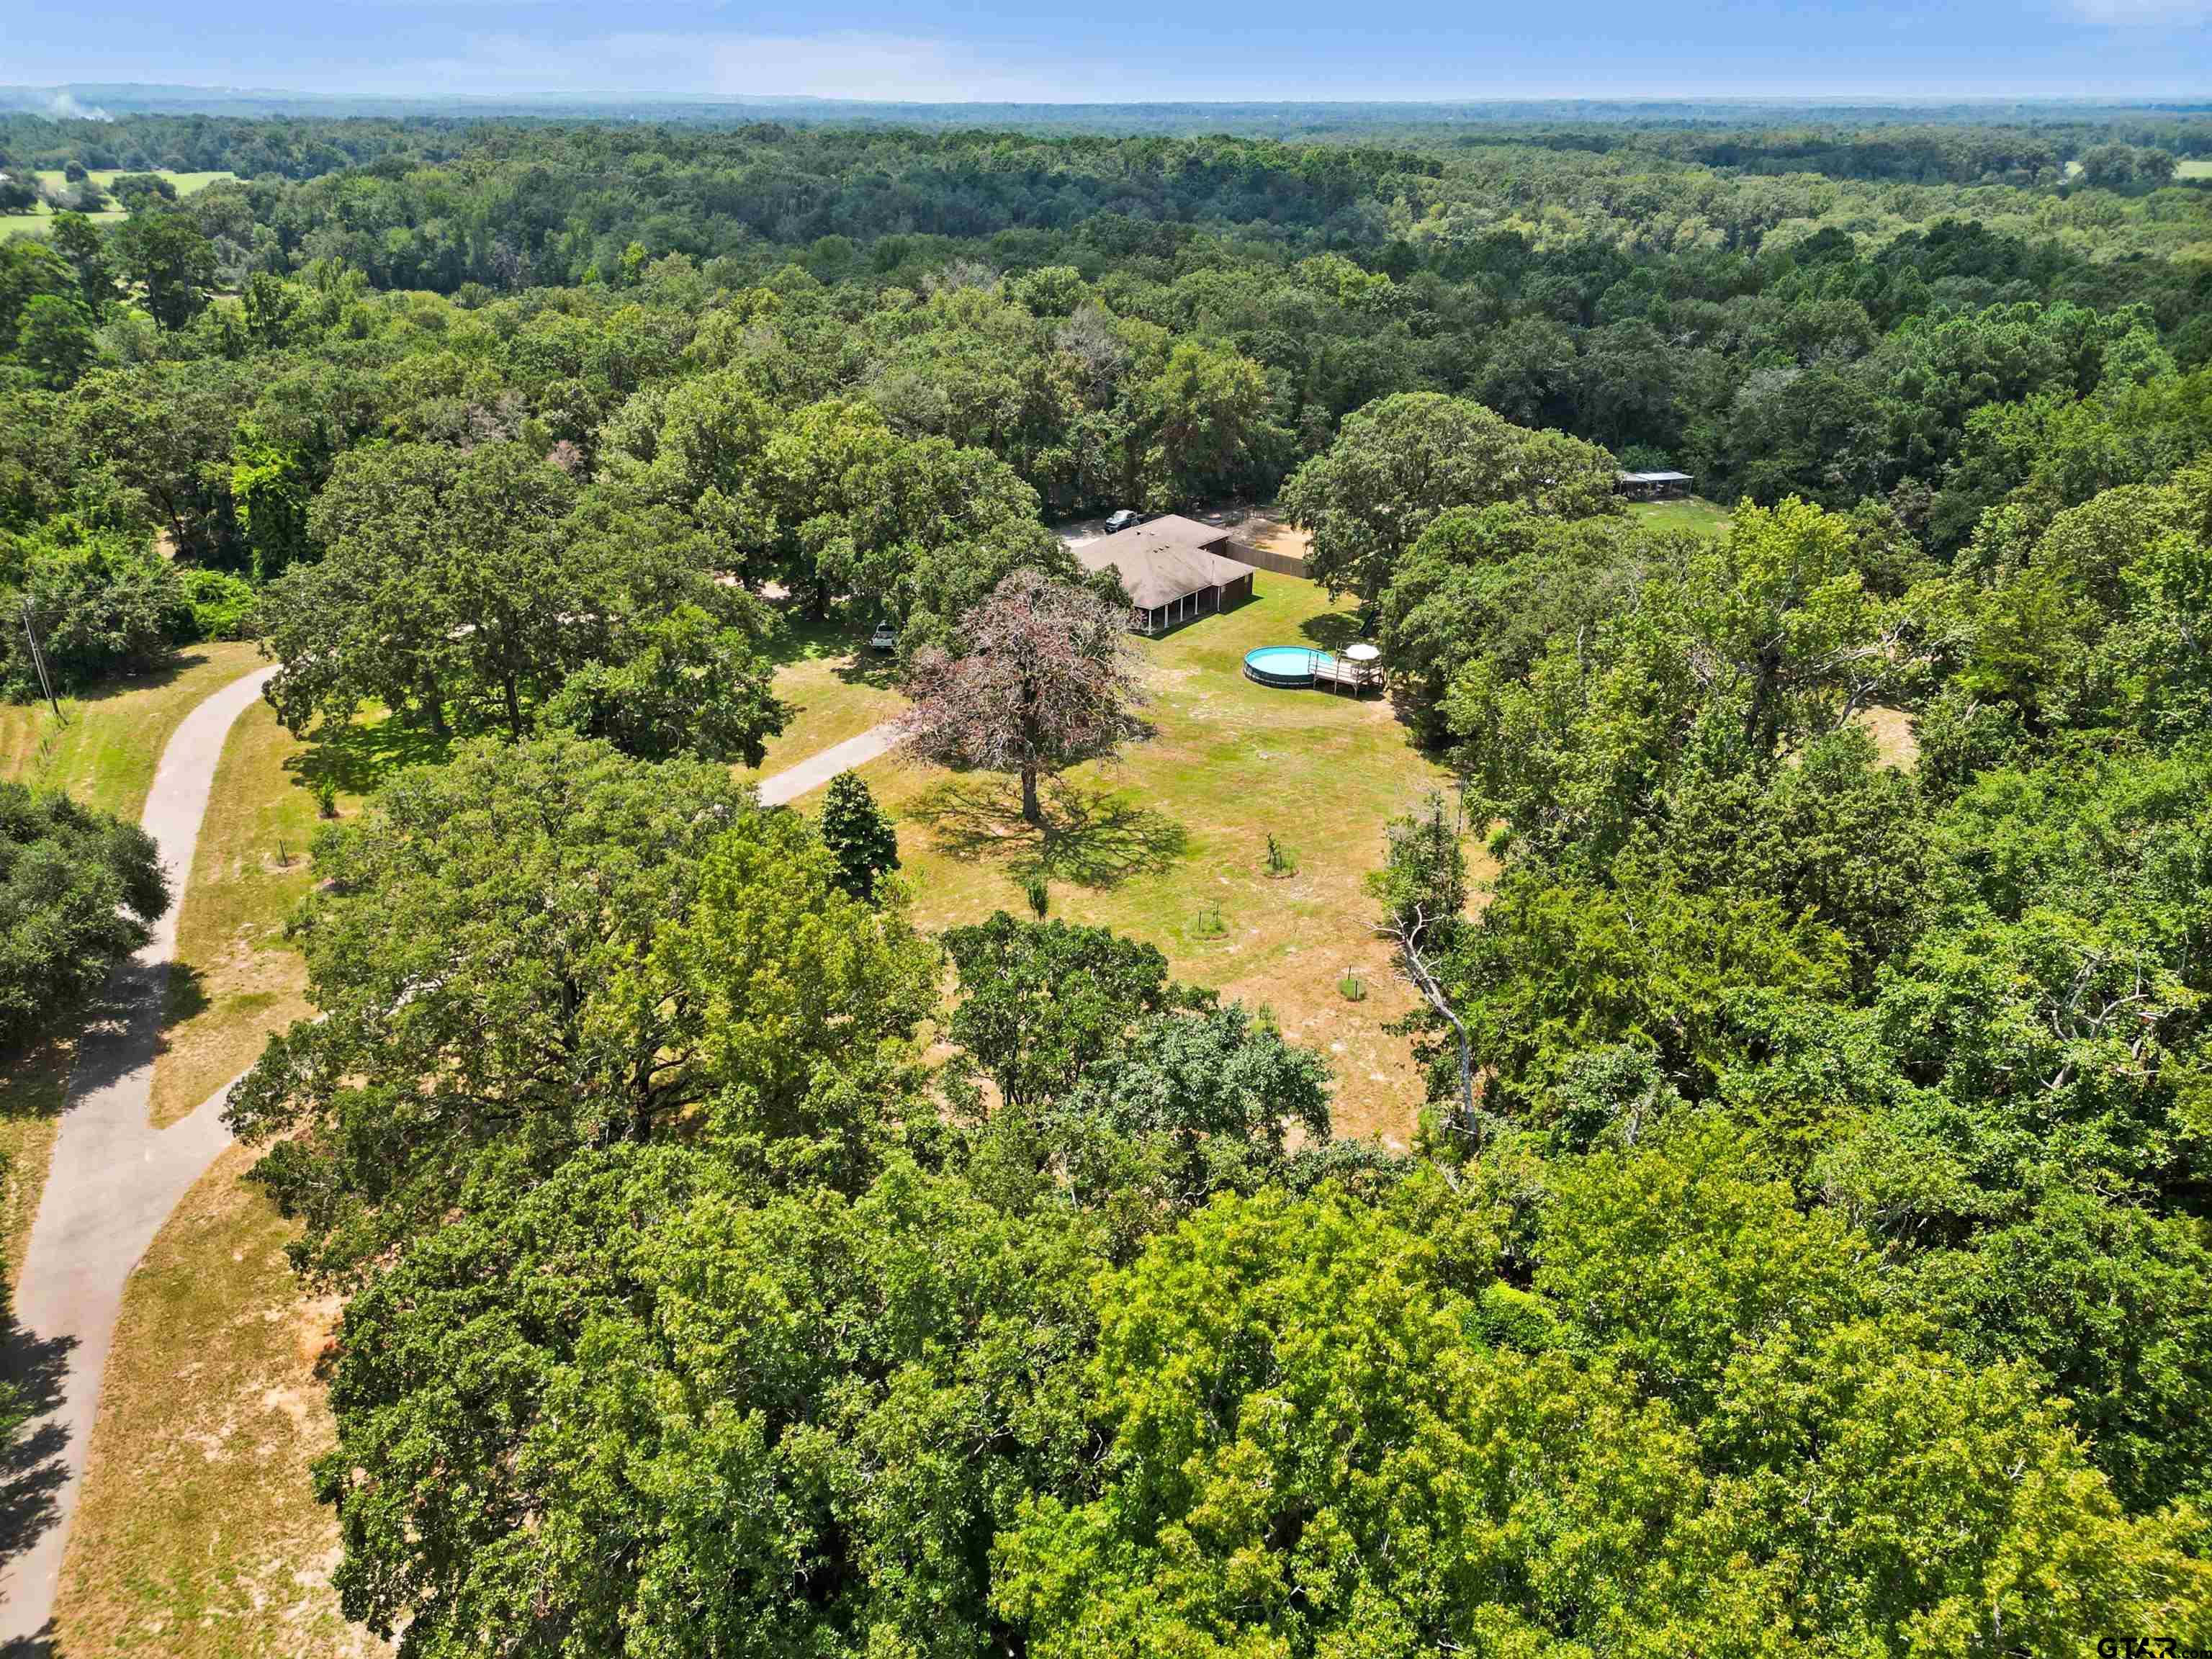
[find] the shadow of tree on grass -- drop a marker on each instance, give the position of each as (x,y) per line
(152,678)
(360,755)
(1092,837)
(34,1369)
(185,997)
(867,666)
(35,1074)
(1332,630)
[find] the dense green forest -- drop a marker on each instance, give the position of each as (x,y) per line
(1807,1248)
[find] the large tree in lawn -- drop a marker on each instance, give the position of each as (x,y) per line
(1401,460)
(441,591)
(1040,677)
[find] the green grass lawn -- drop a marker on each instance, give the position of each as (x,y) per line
(108,742)
(186,182)
(2194,167)
(1170,844)
(1691,512)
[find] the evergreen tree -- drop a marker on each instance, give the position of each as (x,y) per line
(859,835)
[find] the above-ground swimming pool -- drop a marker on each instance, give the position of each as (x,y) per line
(1287,665)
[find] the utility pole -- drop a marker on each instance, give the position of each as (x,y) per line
(38,663)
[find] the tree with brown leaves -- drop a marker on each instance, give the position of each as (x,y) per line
(1042,677)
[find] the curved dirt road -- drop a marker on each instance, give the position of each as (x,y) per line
(113,1180)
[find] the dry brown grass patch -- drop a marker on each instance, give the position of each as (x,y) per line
(198,1534)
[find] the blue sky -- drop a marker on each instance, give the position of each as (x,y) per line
(1060,51)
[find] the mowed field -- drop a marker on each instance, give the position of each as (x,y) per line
(1691,512)
(186,182)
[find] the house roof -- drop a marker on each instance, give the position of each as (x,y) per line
(1653,478)
(1162,561)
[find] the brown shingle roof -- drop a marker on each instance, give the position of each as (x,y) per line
(1161,561)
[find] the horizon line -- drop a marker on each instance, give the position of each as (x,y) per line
(1515,99)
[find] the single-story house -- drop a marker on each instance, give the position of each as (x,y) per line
(1172,568)
(1652,486)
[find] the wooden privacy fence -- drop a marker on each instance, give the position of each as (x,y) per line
(1283,564)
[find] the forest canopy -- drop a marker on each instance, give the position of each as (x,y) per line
(1804,1248)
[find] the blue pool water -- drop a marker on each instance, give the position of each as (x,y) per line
(1285,665)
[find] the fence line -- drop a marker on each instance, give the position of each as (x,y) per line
(1283,564)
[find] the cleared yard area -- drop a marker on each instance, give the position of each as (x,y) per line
(1691,512)
(198,1534)
(1270,534)
(1170,844)
(836,686)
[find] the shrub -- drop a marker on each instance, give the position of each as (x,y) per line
(221,604)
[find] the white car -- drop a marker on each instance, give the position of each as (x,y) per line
(885,638)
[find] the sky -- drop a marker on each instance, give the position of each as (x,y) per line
(1128,51)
